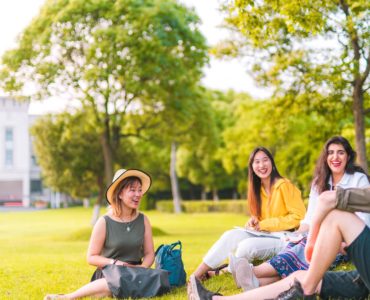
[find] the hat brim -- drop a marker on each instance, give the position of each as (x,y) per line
(146,182)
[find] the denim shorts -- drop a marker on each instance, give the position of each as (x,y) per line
(354,284)
(343,285)
(359,253)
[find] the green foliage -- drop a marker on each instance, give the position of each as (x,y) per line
(313,54)
(198,158)
(69,150)
(133,64)
(229,206)
(294,134)
(147,203)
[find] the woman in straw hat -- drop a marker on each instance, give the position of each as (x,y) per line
(122,237)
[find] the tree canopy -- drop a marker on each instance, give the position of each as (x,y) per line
(116,58)
(314,53)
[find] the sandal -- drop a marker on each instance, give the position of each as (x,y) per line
(216,271)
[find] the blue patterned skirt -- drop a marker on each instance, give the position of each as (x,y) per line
(290,259)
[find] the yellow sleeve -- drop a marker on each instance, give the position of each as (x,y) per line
(289,209)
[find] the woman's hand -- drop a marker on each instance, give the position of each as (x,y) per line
(125,264)
(253,223)
(121,263)
(342,249)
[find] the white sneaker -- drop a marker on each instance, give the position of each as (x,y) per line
(233,260)
(244,275)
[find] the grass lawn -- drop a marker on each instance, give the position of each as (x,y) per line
(45,251)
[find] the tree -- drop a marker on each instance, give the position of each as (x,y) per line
(117,58)
(183,125)
(293,135)
(199,159)
(68,151)
(304,47)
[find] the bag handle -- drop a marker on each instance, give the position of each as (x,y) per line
(173,245)
(159,248)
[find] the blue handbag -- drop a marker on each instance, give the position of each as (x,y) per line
(168,258)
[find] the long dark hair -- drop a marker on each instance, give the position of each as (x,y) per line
(322,170)
(254,182)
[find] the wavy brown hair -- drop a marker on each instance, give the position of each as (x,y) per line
(322,171)
(116,201)
(254,182)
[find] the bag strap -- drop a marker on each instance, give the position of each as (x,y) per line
(159,248)
(170,248)
(173,245)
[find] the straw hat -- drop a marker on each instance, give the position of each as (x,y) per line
(121,174)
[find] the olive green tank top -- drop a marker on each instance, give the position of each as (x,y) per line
(124,240)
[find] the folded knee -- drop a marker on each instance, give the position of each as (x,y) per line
(248,250)
(334,217)
(230,235)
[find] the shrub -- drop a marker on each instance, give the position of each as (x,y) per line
(233,206)
(147,203)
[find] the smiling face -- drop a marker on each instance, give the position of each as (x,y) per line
(131,195)
(262,165)
(337,159)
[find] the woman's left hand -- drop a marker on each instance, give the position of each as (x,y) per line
(123,263)
(342,249)
(253,223)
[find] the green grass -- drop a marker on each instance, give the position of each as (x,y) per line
(45,251)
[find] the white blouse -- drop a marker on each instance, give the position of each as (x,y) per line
(357,179)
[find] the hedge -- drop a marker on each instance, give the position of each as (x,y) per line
(233,206)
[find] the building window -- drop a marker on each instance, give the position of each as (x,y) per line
(36,186)
(8,134)
(34,161)
(8,157)
(9,145)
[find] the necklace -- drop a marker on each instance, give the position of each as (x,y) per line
(128,228)
(128,223)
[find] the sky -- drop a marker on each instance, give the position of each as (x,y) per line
(15,15)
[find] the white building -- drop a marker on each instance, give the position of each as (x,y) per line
(20,176)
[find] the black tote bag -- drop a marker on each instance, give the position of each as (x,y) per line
(136,282)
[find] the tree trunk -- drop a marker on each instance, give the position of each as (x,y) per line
(174,181)
(108,163)
(203,194)
(96,213)
(108,156)
(358,112)
(99,200)
(215,194)
(358,92)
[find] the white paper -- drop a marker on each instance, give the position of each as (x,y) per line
(257,233)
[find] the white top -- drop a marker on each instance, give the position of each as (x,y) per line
(356,180)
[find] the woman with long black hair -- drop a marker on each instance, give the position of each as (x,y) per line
(276,207)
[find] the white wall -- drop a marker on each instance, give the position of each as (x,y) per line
(14,115)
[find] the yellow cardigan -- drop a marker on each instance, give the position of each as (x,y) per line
(284,209)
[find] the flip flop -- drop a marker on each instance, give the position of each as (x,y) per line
(216,271)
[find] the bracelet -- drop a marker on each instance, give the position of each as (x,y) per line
(114,262)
